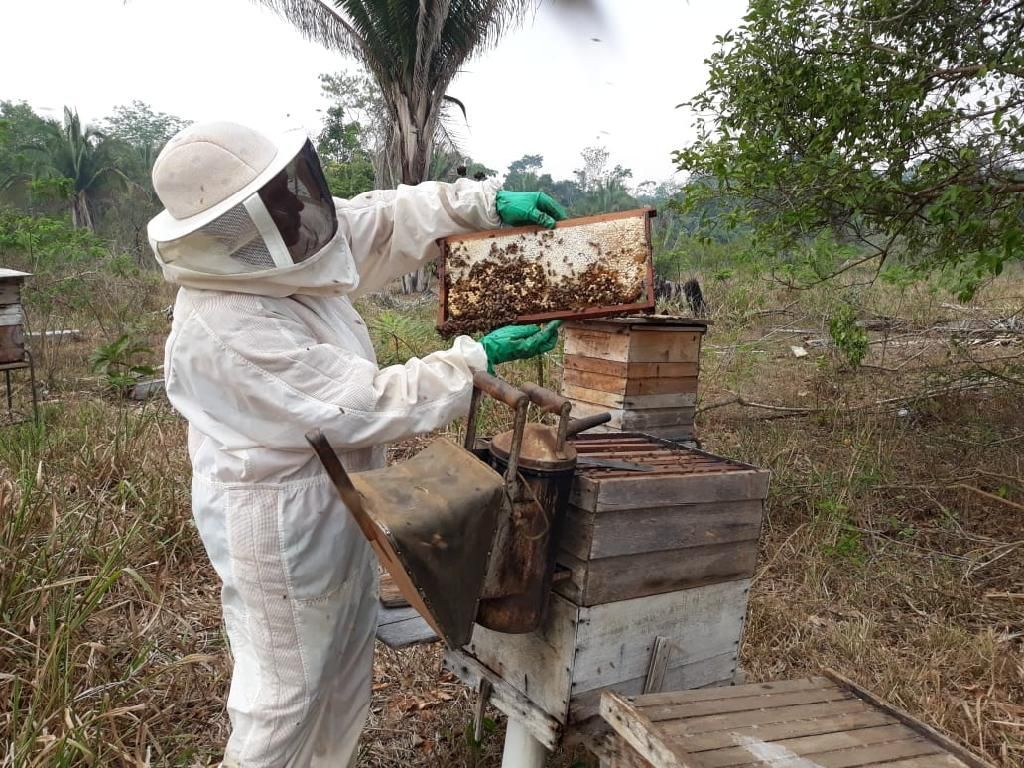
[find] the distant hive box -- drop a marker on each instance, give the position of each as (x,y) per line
(12,317)
(586,267)
(643,370)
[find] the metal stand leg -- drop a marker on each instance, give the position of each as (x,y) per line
(522,750)
(32,382)
(10,401)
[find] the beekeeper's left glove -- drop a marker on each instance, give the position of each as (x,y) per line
(519,342)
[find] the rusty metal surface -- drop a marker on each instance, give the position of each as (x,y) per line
(664,458)
(519,579)
(539,449)
(431,520)
(588,267)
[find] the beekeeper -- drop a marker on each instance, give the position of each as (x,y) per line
(265,346)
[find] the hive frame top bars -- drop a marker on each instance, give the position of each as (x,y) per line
(645,305)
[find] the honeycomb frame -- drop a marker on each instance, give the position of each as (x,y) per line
(593,266)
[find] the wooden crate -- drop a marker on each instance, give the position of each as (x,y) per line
(651,594)
(643,370)
(554,677)
(12,317)
(819,722)
(694,519)
(592,266)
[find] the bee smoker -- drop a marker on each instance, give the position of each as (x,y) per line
(470,534)
(515,593)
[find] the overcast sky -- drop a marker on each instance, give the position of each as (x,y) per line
(562,82)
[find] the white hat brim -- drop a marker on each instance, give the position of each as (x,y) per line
(164,227)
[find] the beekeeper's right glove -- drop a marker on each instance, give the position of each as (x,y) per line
(520,208)
(519,342)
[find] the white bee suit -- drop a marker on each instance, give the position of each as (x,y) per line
(253,362)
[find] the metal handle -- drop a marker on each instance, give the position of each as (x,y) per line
(588,422)
(518,401)
(549,402)
(498,389)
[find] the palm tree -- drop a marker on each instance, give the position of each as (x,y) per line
(412,49)
(83,159)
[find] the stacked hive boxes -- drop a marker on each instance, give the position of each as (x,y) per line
(642,370)
(12,317)
(656,552)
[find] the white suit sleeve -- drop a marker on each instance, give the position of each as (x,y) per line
(392,233)
(264,381)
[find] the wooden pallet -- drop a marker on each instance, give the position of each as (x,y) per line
(818,722)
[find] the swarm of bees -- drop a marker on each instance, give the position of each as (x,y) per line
(492,282)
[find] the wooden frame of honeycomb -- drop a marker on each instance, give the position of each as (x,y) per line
(594,266)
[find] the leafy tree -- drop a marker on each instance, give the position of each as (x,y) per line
(346,144)
(605,189)
(895,126)
(524,175)
(138,125)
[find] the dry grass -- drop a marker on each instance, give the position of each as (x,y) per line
(882,555)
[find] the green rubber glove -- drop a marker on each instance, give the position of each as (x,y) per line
(519,342)
(520,208)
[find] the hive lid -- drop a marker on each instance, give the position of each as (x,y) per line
(9,274)
(538,450)
(652,321)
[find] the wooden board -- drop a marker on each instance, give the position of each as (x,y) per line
(715,672)
(637,421)
(390,595)
(537,664)
(582,651)
(618,400)
(650,490)
(612,579)
(11,314)
(811,723)
(12,343)
(618,385)
(632,370)
(615,640)
(633,344)
(592,536)
(505,697)
(10,293)
(402,627)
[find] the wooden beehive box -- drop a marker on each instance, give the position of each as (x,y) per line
(643,370)
(696,517)
(586,267)
(691,518)
(12,317)
(819,722)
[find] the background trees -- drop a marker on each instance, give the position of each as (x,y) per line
(891,129)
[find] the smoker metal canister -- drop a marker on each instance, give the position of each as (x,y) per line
(518,586)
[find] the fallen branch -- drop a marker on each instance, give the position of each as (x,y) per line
(788,410)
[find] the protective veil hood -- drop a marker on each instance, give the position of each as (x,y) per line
(331,271)
(249,214)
